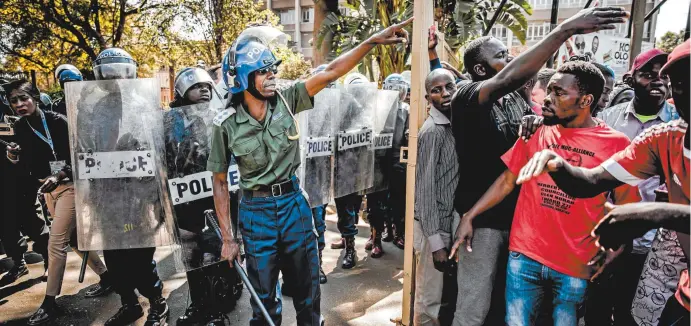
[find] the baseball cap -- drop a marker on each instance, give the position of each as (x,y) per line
(645,57)
(681,51)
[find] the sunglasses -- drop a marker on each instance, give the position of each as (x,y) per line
(263,71)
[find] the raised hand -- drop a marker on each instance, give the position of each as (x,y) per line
(595,19)
(393,34)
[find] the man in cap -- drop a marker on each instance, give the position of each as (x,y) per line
(65,73)
(259,128)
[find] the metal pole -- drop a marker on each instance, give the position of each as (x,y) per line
(637,31)
(552,24)
(255,297)
(633,9)
(655,9)
(687,31)
(494,18)
(587,4)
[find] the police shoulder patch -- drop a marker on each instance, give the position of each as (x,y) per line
(223,115)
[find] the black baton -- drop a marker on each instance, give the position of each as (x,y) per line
(255,297)
(82,270)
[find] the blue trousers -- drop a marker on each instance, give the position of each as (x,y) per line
(319,215)
(347,208)
(278,233)
(527,282)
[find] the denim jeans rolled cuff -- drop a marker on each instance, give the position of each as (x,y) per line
(527,283)
(347,209)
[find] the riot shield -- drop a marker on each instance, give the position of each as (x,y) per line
(116,137)
(384,123)
(317,146)
(353,127)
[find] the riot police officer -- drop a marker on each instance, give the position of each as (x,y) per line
(65,73)
(259,128)
(213,285)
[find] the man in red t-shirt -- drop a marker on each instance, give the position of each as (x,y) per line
(550,244)
(661,150)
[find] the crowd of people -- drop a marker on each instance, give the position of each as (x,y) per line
(543,196)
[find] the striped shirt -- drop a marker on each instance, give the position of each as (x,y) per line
(436,178)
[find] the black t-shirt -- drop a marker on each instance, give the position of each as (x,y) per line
(483,134)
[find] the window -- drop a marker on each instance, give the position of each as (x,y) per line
(307,14)
(344,11)
(288,16)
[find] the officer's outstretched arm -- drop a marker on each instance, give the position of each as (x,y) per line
(346,62)
(231,249)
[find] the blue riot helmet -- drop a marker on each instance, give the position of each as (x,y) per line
(114,63)
(250,52)
(46,100)
(67,70)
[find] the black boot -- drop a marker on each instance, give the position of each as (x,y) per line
(127,314)
(45,314)
(196,312)
(322,275)
(217,320)
(18,270)
(101,288)
(350,257)
(158,313)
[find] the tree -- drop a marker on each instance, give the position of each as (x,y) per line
(365,19)
(41,34)
(670,40)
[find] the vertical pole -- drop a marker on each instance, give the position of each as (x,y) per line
(637,18)
(687,31)
(33,78)
(552,24)
(298,21)
(423,13)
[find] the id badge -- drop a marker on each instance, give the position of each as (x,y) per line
(56,166)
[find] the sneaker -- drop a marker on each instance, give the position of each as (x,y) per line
(158,313)
(377,250)
(218,320)
(387,235)
(340,244)
(127,314)
(369,243)
(399,242)
(17,271)
(42,316)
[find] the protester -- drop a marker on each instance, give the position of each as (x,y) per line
(42,148)
(18,205)
(540,89)
(562,245)
(272,199)
(437,174)
(608,73)
(481,115)
(65,73)
(648,108)
(622,91)
(661,150)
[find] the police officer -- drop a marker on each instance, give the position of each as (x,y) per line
(397,181)
(65,73)
(130,269)
(210,285)
(258,127)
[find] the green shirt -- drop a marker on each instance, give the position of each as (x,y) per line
(264,154)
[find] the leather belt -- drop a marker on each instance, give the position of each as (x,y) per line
(274,190)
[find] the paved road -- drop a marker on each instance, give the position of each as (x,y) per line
(369,294)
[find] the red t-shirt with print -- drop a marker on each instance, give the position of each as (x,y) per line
(550,226)
(659,150)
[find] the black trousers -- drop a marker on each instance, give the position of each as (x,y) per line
(397,199)
(674,314)
(19,215)
(377,208)
(132,269)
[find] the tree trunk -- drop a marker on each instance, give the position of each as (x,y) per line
(321,9)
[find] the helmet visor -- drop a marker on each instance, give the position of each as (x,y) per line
(115,71)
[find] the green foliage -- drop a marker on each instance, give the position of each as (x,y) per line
(670,40)
(365,19)
(293,65)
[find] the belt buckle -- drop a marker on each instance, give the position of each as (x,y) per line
(273,190)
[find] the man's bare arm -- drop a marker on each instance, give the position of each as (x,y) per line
(526,65)
(222,204)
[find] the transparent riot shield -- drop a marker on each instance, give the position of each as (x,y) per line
(317,146)
(187,135)
(353,127)
(384,123)
(116,137)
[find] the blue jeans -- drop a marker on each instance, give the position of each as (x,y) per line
(347,209)
(319,215)
(278,233)
(527,281)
